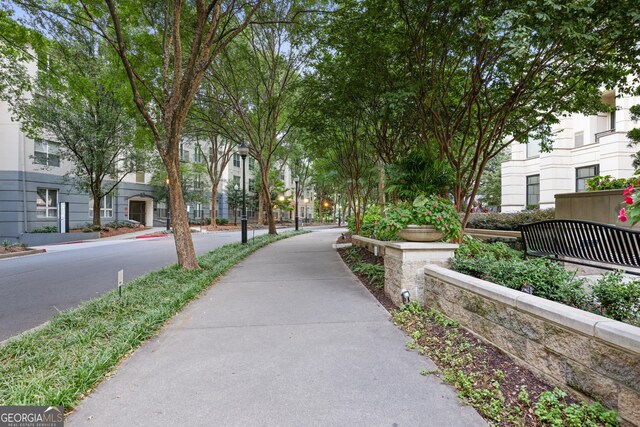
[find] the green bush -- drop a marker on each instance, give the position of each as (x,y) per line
(46,229)
(616,299)
(508,221)
(611,296)
(221,221)
(607,182)
(498,263)
(373,272)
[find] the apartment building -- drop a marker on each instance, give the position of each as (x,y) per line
(583,147)
(34,182)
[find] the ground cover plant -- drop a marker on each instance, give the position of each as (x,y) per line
(611,296)
(369,269)
(501,391)
(510,221)
(61,362)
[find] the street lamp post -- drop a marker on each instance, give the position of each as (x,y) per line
(243,150)
(296,180)
(168,204)
(339,209)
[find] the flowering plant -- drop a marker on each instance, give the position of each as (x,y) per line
(632,209)
(425,210)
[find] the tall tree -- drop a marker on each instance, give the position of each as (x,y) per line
(259,80)
(75,105)
(165,47)
(490,73)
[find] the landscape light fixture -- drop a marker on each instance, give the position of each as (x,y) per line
(243,150)
(406,297)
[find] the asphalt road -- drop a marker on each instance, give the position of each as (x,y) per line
(34,288)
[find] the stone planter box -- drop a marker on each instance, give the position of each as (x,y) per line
(587,355)
(599,206)
(376,247)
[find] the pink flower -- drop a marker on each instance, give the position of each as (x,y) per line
(628,190)
(403,214)
(622,216)
(439,218)
(396,209)
(428,212)
(435,205)
(377,222)
(628,200)
(390,224)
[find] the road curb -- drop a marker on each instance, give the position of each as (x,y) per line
(22,253)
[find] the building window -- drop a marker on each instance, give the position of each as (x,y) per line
(236,160)
(533,149)
(106,207)
(197,182)
(46,153)
(583,174)
(533,191)
(578,139)
(47,203)
(198,157)
(140,177)
(612,120)
(236,181)
(198,212)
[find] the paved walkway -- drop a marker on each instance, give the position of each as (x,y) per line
(287,338)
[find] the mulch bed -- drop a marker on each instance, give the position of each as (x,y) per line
(486,360)
(344,238)
(367,256)
(13,249)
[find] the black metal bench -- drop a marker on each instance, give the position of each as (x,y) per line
(584,242)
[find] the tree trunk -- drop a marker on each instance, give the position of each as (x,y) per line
(268,204)
(181,232)
(96,209)
(214,205)
(260,208)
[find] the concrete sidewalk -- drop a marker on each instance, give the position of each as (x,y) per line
(289,337)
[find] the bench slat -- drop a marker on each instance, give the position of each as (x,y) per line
(582,241)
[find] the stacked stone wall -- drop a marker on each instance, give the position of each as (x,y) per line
(587,355)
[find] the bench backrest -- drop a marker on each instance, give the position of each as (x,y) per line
(583,240)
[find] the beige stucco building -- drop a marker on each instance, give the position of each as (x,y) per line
(583,147)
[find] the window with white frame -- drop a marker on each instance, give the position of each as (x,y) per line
(533,148)
(198,212)
(583,174)
(46,153)
(106,207)
(236,160)
(197,182)
(47,203)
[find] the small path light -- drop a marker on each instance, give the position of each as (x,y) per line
(406,297)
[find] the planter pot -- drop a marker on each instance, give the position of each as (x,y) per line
(421,233)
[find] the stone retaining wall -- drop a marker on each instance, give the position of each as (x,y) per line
(376,247)
(587,355)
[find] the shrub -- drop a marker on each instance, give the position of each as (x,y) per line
(46,229)
(607,182)
(508,221)
(222,221)
(616,299)
(498,263)
(425,210)
(373,272)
